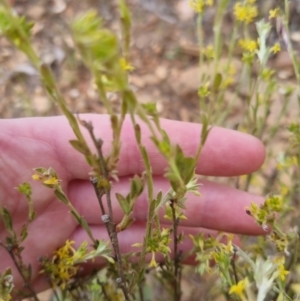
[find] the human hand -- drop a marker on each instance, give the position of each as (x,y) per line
(43,142)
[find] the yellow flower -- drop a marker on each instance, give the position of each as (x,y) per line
(282,271)
(245,12)
(229,247)
(276,48)
(273,13)
(36,177)
(248,45)
(198,5)
(228,76)
(238,289)
(51,181)
(61,268)
(204,90)
(153,263)
(126,66)
(209,52)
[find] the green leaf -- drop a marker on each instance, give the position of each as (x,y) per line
(96,45)
(124,13)
(123,202)
(126,24)
(114,123)
(150,108)
(205,129)
(158,199)
(137,186)
(137,131)
(180,203)
(48,79)
(145,158)
(14,26)
(25,189)
(186,165)
(7,219)
(131,101)
(82,222)
(9,240)
(217,82)
(40,170)
(127,220)
(24,233)
(61,196)
(124,108)
(80,147)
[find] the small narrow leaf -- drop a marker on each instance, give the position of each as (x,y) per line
(125,223)
(217,82)
(80,147)
(24,233)
(123,202)
(61,196)
(7,219)
(82,222)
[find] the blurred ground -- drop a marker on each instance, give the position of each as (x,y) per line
(164,54)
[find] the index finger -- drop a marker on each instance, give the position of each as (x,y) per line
(226,152)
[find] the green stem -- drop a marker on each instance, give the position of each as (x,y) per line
(151,208)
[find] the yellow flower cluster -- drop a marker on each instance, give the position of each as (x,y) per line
(276,48)
(273,13)
(159,243)
(125,65)
(198,5)
(239,288)
(228,77)
(62,266)
(248,45)
(246,11)
(47,176)
(208,52)
(279,261)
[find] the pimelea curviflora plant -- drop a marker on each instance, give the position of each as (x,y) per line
(266,270)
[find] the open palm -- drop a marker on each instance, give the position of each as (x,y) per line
(43,142)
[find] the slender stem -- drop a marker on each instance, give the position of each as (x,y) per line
(99,193)
(103,290)
(19,264)
(218,34)
(101,89)
(141,293)
(202,100)
(151,209)
(110,225)
(176,282)
(234,268)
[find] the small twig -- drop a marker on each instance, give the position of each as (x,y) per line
(111,227)
(176,283)
(232,262)
(141,293)
(99,194)
(19,265)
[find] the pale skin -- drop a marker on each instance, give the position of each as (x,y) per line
(43,142)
